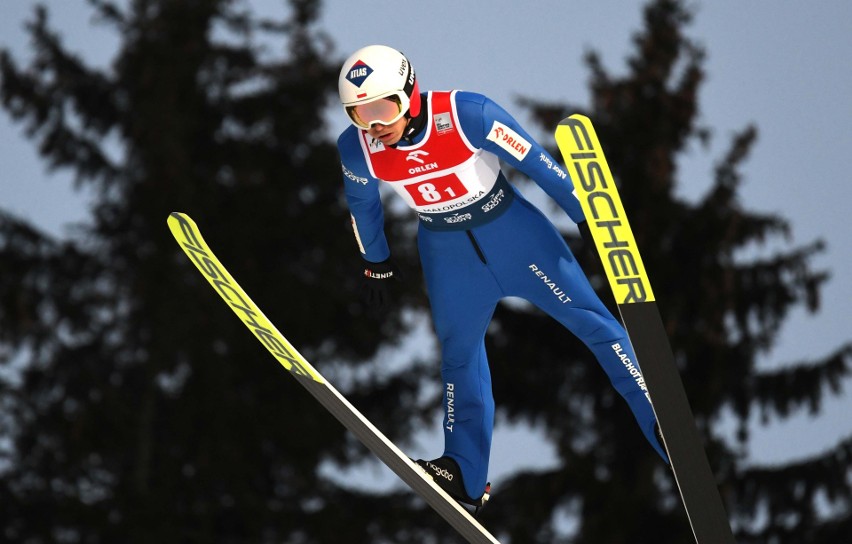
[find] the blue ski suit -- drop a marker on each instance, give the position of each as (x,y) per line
(480,241)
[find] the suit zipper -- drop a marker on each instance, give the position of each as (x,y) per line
(476,247)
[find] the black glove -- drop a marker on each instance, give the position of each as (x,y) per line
(376,283)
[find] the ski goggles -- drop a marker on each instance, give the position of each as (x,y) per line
(385,111)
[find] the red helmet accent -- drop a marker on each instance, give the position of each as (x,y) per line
(414,108)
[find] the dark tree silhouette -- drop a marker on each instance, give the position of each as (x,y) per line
(144,412)
(722,306)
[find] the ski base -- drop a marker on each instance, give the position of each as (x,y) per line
(189,238)
(631,288)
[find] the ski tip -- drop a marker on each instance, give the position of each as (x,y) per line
(178,221)
(571,119)
(178,217)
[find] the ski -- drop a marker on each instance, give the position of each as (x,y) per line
(189,238)
(629,282)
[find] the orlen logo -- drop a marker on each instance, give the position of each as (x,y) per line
(415,156)
(508,139)
(358,73)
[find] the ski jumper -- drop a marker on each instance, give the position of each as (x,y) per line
(481,241)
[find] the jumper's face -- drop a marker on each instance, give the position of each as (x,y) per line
(388,134)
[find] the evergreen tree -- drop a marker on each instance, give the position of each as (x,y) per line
(722,303)
(145,412)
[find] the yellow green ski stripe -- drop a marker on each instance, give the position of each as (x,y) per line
(605,214)
(189,238)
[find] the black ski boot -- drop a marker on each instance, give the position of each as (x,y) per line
(447,474)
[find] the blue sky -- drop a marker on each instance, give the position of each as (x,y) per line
(783,66)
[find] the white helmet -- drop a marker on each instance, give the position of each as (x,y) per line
(377,85)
